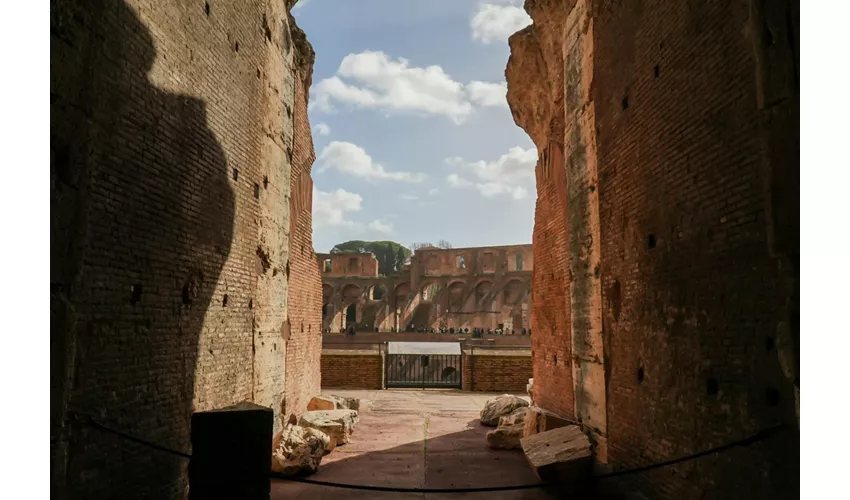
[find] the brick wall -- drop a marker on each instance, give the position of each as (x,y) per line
(363,371)
(692,293)
(170,181)
(496,372)
(671,159)
(535,79)
(304,347)
(490,371)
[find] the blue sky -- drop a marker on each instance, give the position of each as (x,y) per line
(413,136)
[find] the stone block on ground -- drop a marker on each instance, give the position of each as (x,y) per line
(560,455)
(505,437)
(338,424)
(298,450)
(538,420)
(499,407)
(333,403)
(517,417)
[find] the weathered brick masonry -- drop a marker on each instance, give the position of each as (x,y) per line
(483,369)
(171,150)
(680,171)
(538,106)
(352,371)
(304,348)
(499,372)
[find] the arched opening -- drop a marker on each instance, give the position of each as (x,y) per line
(327,293)
(378,292)
(482,289)
(351,316)
(514,291)
(401,292)
(430,291)
(456,296)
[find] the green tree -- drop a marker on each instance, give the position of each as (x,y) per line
(387,252)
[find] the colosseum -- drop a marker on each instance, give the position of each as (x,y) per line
(485,288)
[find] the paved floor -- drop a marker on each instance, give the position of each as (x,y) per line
(417,439)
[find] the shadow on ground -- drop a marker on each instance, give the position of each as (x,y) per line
(434,447)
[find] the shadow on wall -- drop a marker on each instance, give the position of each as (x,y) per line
(141,225)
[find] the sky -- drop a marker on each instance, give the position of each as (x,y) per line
(413,135)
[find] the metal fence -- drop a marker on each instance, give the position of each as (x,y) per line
(424,371)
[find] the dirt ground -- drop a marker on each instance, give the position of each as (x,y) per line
(417,439)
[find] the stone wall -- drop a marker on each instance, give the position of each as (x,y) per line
(679,170)
(336,265)
(171,157)
(471,288)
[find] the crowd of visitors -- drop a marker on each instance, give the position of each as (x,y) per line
(475,331)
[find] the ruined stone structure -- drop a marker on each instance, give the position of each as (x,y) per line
(487,287)
(666,231)
(182,271)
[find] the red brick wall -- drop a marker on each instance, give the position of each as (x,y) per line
(550,309)
(169,185)
(304,347)
(480,372)
(496,373)
(352,372)
(694,144)
(691,295)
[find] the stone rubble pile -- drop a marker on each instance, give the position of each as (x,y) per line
(299,451)
(500,406)
(561,454)
(338,424)
(509,432)
(299,448)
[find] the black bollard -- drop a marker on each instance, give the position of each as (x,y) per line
(231,453)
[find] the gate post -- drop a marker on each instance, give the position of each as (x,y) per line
(384,365)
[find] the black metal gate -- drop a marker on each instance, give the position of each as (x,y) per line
(424,371)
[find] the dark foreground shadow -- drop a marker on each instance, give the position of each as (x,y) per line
(141,226)
(463,460)
(454,460)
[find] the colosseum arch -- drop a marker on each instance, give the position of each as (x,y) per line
(456,296)
(482,289)
(378,292)
(430,290)
(513,291)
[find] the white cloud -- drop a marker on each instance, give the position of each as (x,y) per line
(493,22)
(504,176)
(376,81)
(457,181)
(433,191)
(488,94)
(381,226)
(408,197)
(301,3)
(331,208)
(322,128)
(348,158)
